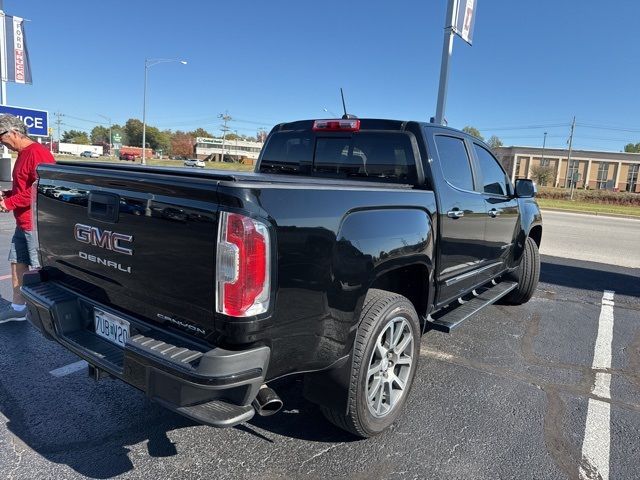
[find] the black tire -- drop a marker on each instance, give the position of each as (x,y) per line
(380,310)
(527,275)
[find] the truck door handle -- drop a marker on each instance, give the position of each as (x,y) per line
(455,213)
(493,213)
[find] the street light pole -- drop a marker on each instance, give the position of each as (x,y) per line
(150,62)
(144,114)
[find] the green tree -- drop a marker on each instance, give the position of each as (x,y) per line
(200,132)
(163,141)
(494,142)
(75,136)
(473,131)
(99,135)
(133,131)
(631,148)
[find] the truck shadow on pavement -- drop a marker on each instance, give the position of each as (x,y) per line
(59,419)
(100,430)
(590,276)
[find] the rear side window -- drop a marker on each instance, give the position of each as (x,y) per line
(454,160)
(287,151)
(384,156)
(494,180)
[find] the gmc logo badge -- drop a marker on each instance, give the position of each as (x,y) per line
(102,238)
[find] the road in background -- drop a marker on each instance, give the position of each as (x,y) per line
(506,395)
(595,238)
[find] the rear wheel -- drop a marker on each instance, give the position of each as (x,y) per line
(527,274)
(384,362)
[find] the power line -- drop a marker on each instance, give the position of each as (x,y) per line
(84,120)
(533,136)
(527,127)
(605,127)
(608,139)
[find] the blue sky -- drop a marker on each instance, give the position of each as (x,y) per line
(532,63)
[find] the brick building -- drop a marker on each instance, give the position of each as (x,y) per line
(589,169)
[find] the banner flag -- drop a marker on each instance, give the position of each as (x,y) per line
(14,57)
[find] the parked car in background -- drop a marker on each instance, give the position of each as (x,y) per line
(89,154)
(127,156)
(194,162)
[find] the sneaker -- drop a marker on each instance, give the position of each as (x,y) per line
(9,314)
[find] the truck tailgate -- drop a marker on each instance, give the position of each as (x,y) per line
(142,241)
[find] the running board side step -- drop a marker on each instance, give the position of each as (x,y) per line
(449,318)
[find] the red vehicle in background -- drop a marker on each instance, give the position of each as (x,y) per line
(132,153)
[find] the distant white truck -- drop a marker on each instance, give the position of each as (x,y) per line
(77,149)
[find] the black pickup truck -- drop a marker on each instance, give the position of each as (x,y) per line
(351,239)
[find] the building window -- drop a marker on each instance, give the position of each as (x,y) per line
(632,178)
(517,170)
(572,174)
(545,162)
(603,176)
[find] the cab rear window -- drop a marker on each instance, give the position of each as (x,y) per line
(383,156)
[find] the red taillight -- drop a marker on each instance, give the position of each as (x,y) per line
(350,125)
(242,266)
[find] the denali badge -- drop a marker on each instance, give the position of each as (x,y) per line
(105,262)
(102,238)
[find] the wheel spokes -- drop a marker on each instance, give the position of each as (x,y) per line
(375,388)
(389,366)
(374,369)
(399,332)
(399,350)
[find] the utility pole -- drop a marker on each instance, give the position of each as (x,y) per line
(58,121)
(108,119)
(570,175)
(225,118)
(237,155)
(544,142)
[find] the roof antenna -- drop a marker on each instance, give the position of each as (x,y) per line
(346,115)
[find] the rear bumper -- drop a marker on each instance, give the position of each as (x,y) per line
(214,387)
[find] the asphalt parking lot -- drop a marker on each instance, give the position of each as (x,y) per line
(516,392)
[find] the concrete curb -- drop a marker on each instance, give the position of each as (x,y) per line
(596,214)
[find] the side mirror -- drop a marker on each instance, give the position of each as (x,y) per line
(525,188)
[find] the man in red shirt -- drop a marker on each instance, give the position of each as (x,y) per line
(24,253)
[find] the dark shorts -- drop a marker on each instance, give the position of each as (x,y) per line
(23,248)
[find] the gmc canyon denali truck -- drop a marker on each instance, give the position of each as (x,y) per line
(351,239)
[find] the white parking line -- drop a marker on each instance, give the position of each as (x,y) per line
(597,433)
(5,277)
(69,369)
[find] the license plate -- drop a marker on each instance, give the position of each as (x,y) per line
(108,326)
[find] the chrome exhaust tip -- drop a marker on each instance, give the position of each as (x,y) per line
(267,402)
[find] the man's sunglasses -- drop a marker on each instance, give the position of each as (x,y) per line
(4,133)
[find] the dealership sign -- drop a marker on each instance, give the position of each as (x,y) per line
(465,20)
(36,121)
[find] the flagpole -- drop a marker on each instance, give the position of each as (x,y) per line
(3,88)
